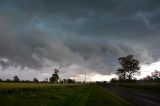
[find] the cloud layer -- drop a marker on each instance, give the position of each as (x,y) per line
(77,36)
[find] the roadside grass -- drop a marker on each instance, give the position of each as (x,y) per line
(102,97)
(11,85)
(30,94)
(60,95)
(151,87)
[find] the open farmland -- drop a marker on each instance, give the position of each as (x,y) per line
(31,94)
(11,85)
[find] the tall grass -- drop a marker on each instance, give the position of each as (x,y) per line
(102,97)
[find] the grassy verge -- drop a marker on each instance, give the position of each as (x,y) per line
(102,97)
(51,95)
(151,87)
(12,85)
(30,94)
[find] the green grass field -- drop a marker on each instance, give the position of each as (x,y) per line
(30,94)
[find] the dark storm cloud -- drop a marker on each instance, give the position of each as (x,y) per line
(91,34)
(107,18)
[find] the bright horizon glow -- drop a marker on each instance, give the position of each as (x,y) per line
(148,69)
(93,77)
(99,77)
(145,70)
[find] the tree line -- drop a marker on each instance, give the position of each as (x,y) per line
(53,79)
(129,67)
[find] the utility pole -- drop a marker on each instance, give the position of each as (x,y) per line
(85,77)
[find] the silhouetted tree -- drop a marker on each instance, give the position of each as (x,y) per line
(121,74)
(46,80)
(155,75)
(147,78)
(70,81)
(8,80)
(27,81)
(129,67)
(35,80)
(15,78)
(61,81)
(64,81)
(104,83)
(114,80)
(55,76)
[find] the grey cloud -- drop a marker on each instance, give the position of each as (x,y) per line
(154,20)
(103,55)
(4,64)
(88,34)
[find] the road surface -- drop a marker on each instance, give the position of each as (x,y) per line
(137,97)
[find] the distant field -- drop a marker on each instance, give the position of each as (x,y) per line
(11,85)
(42,94)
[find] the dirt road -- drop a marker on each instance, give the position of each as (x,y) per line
(137,97)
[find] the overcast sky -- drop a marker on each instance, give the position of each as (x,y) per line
(76,36)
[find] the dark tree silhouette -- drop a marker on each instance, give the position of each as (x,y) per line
(35,80)
(148,78)
(129,67)
(155,75)
(114,80)
(64,80)
(70,81)
(121,74)
(55,77)
(15,78)
(8,80)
